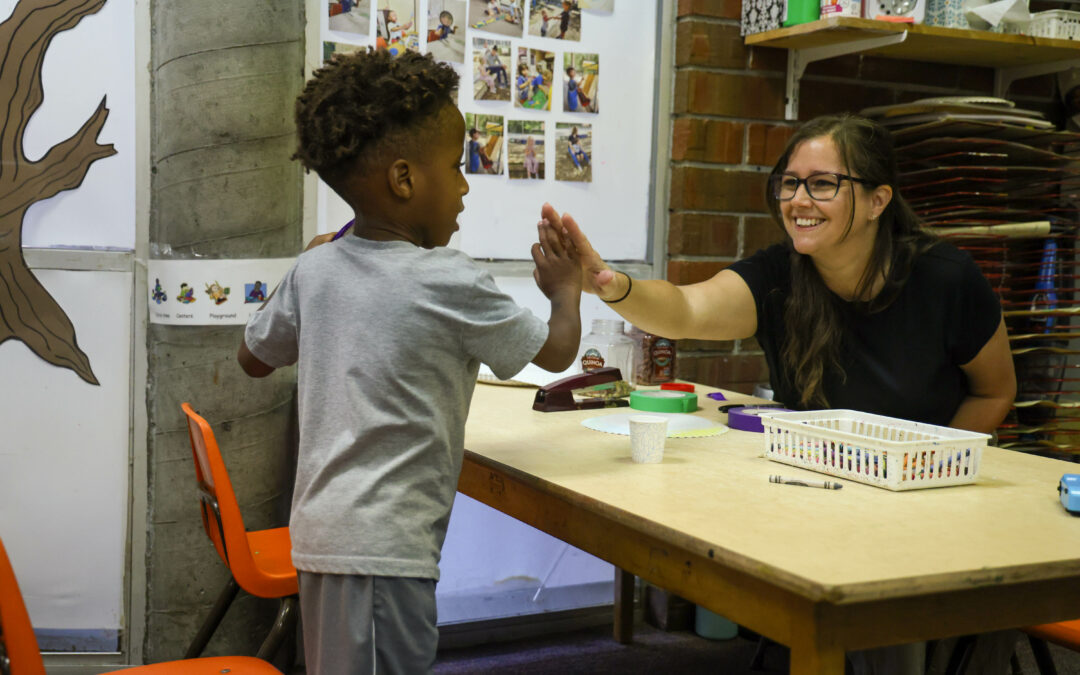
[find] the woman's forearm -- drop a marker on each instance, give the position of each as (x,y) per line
(982,414)
(653,305)
(721,308)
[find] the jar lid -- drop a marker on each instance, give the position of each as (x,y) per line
(607,326)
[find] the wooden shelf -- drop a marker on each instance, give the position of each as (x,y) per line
(1011,56)
(925,43)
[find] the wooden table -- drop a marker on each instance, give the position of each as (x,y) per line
(822,571)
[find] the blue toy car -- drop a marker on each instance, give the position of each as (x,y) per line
(1069,489)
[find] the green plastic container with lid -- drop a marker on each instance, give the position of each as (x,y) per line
(802,11)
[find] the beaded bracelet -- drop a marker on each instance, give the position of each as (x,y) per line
(630,284)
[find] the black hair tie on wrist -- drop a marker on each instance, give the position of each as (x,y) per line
(629,285)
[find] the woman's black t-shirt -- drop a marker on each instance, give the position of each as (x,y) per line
(903,361)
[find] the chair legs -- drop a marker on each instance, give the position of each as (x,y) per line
(217,613)
(284,626)
(1043,658)
(284,623)
(961,655)
(757,662)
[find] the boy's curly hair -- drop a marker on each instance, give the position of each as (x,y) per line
(359,100)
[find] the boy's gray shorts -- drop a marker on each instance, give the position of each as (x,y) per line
(363,625)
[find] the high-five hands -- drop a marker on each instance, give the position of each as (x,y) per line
(557,268)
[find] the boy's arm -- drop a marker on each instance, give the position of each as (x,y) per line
(248,361)
(558,274)
(251,364)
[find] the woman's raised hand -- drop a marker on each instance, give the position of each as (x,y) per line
(596,277)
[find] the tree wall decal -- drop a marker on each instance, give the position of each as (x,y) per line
(27,311)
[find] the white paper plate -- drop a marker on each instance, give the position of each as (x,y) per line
(680,425)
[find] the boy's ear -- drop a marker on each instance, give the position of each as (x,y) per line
(399,175)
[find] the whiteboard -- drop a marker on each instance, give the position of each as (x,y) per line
(64,460)
(499,221)
(93,60)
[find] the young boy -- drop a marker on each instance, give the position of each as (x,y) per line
(572,86)
(389,328)
(445,29)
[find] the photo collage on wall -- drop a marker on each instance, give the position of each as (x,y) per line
(478,36)
(538,80)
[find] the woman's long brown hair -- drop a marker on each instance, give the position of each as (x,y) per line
(812,314)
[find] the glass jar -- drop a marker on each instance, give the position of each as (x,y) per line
(654,357)
(607,346)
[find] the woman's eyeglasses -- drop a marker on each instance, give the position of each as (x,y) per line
(820,186)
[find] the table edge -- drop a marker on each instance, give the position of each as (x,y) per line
(838,594)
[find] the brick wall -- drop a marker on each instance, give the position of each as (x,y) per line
(728,129)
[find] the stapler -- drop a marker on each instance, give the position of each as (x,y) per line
(1069,492)
(600,388)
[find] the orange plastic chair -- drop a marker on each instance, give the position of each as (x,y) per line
(19,654)
(1064,633)
(260,561)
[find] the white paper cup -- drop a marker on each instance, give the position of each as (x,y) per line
(647,436)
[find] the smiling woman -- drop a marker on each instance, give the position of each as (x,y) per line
(859,308)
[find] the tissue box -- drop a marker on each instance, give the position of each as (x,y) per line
(759,16)
(946,13)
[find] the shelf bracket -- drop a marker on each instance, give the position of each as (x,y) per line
(798,59)
(1004,77)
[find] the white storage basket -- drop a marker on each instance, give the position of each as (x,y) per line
(1062,24)
(874,449)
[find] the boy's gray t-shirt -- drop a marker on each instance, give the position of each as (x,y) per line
(388,338)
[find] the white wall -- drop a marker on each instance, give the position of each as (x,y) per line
(100,213)
(64,461)
(500,215)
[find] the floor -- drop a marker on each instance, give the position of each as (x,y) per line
(653,651)
(593,650)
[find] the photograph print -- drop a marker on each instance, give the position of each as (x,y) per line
(503,17)
(581,82)
(555,19)
(395,26)
(446,30)
(573,152)
(331,48)
(483,144)
(350,16)
(533,76)
(525,149)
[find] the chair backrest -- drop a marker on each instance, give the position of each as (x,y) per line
(220,512)
(17,642)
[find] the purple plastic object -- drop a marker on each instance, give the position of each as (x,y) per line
(343,230)
(745,418)
(716,396)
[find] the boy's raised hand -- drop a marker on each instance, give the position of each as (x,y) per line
(320,240)
(596,276)
(557,268)
(558,274)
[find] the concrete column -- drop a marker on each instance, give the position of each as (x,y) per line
(224,77)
